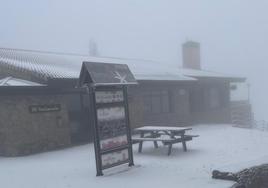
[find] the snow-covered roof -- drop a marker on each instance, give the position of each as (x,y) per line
(51,65)
(10,81)
(54,65)
(206,74)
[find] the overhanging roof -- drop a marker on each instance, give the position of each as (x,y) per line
(203,74)
(53,65)
(106,74)
(10,81)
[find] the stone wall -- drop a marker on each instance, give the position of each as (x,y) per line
(23,132)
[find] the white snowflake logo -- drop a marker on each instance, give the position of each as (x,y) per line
(122,79)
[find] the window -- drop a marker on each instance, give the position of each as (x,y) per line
(197,97)
(157,102)
(214,98)
(206,99)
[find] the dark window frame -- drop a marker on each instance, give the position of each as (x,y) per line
(164,99)
(214,98)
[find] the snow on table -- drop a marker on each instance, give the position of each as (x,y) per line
(219,147)
(159,128)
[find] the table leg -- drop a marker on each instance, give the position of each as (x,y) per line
(141,142)
(170,145)
(155,142)
(183,143)
(169,149)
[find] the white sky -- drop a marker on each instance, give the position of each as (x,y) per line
(232,33)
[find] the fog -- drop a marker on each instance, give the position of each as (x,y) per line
(232,33)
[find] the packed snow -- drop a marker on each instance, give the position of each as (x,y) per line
(220,147)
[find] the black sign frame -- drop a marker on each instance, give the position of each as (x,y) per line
(95,122)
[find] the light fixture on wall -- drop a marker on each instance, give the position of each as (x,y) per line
(233,87)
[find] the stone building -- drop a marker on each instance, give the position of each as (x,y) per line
(164,96)
(32,119)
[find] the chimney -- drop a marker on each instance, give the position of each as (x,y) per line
(191,55)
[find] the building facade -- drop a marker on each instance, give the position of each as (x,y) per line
(32,120)
(163,97)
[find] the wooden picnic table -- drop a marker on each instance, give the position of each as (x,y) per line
(167,135)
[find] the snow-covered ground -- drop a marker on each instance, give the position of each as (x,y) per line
(218,147)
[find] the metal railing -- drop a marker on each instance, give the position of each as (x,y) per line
(241,115)
(260,125)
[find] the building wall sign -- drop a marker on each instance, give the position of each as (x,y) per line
(44,108)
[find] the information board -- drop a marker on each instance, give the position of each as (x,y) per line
(107,85)
(113,142)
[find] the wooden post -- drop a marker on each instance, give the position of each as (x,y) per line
(140,144)
(96,134)
(155,142)
(183,142)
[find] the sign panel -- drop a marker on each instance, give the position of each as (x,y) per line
(111,114)
(118,157)
(109,96)
(114,142)
(112,127)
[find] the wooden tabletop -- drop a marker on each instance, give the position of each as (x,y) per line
(158,128)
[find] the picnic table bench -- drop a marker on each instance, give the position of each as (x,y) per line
(166,135)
